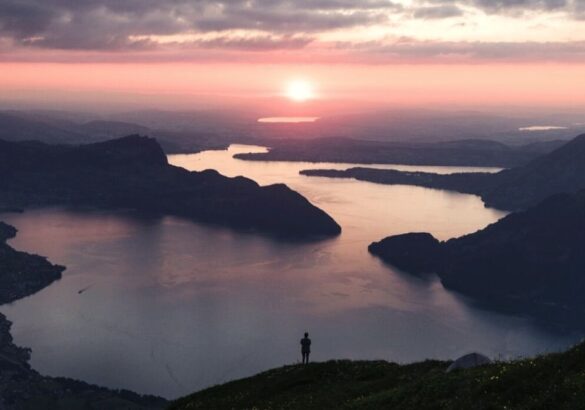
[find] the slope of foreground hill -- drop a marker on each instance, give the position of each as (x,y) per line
(553,381)
(562,170)
(534,257)
(133,173)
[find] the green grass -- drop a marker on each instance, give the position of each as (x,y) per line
(549,382)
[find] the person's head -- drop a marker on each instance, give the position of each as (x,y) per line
(306,334)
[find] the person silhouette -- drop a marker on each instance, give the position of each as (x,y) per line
(306,348)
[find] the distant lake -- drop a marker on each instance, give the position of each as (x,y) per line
(169,306)
(542,128)
(287,120)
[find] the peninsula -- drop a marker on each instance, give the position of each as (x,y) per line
(531,260)
(133,173)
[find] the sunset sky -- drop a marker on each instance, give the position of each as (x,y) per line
(188,52)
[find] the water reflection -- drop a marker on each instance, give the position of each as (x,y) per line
(172,306)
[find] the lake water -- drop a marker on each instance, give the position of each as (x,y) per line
(169,306)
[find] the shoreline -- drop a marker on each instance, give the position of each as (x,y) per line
(24,274)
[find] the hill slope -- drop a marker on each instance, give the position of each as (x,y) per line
(554,381)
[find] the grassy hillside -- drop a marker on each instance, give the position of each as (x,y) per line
(554,381)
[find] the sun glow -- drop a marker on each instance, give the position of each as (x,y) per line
(299,90)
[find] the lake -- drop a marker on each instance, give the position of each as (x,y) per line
(166,306)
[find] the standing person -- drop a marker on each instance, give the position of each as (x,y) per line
(306,348)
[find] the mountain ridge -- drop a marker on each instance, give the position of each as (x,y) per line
(560,171)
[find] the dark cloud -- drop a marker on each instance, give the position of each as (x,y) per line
(254,43)
(579,10)
(513,7)
(437,12)
(522,5)
(114,24)
(23,18)
(288,21)
(88,25)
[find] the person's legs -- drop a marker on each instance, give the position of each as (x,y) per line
(305,358)
(308,358)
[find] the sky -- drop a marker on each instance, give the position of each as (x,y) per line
(191,53)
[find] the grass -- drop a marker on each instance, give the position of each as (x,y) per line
(553,381)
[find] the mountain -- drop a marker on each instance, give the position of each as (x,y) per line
(133,172)
(432,125)
(533,259)
(112,129)
(72,128)
(335,134)
(552,381)
(560,171)
(563,170)
(172,142)
(482,153)
(16,127)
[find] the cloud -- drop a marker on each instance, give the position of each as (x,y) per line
(437,12)
(412,51)
(253,43)
(571,8)
(579,10)
(522,5)
(514,7)
(111,24)
(307,50)
(183,28)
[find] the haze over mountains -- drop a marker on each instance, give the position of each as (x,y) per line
(192,131)
(73,128)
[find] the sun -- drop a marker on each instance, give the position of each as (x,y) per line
(299,91)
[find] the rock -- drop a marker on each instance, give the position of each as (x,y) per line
(469,361)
